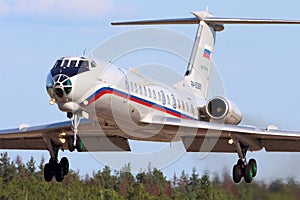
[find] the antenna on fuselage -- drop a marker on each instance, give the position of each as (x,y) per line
(84,51)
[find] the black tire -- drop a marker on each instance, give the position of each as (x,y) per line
(248,174)
(253,163)
(71,144)
(240,162)
(237,173)
(48,172)
(79,145)
(59,173)
(64,162)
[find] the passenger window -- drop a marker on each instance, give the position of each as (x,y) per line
(141,91)
(145,91)
(149,92)
(136,88)
(65,63)
(126,85)
(187,107)
(154,95)
(178,103)
(131,86)
(173,101)
(163,97)
(73,63)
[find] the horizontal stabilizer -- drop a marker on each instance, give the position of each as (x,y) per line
(193,20)
(219,20)
(209,19)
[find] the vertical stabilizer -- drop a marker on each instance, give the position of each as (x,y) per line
(197,76)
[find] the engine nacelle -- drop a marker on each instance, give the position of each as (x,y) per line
(219,108)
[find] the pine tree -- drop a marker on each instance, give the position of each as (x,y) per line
(7,168)
(126,180)
(30,165)
(20,166)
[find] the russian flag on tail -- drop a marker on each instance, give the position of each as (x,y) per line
(206,52)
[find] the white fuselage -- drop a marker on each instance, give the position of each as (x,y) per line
(115,95)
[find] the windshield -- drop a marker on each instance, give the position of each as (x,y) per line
(57,64)
(83,63)
(74,63)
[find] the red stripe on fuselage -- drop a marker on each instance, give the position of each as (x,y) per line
(135,99)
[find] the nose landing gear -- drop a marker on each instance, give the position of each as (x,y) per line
(78,146)
(74,142)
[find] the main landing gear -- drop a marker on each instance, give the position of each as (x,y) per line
(242,168)
(55,168)
(59,169)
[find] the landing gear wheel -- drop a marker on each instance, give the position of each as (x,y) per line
(240,162)
(71,144)
(48,172)
(252,162)
(53,167)
(237,173)
(59,173)
(79,145)
(248,173)
(64,162)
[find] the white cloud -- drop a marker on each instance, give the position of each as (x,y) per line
(71,9)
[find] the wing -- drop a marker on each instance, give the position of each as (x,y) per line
(198,136)
(94,137)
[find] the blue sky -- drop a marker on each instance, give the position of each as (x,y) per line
(259,66)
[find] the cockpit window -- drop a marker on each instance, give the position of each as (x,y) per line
(57,64)
(65,63)
(93,64)
(73,63)
(83,63)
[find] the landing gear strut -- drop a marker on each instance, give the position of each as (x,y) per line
(74,142)
(242,168)
(55,168)
(61,169)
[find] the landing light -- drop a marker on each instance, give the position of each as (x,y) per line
(230,141)
(62,134)
(52,101)
(62,137)
(62,140)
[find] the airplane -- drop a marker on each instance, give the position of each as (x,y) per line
(107,105)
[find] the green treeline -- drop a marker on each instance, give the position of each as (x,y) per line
(20,180)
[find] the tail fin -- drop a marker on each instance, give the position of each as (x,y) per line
(197,76)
